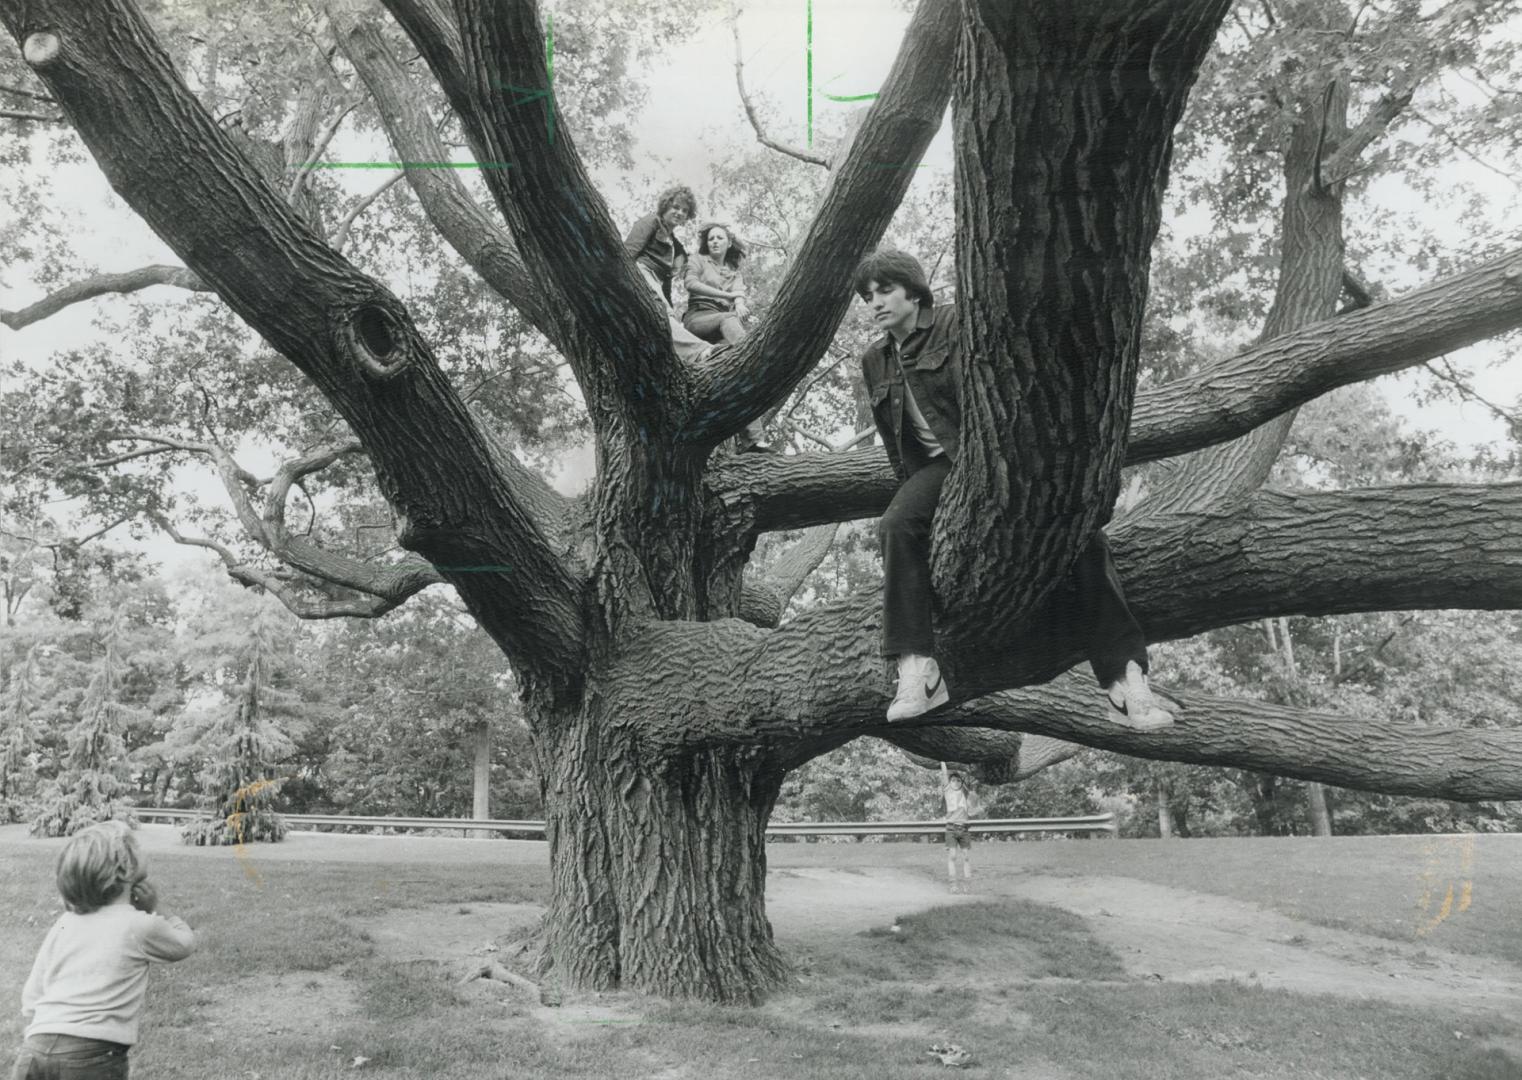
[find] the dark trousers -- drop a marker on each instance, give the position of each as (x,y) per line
(69,1057)
(1092,592)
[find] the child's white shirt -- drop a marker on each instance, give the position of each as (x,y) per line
(91,974)
(958,804)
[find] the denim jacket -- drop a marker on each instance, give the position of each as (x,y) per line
(930,361)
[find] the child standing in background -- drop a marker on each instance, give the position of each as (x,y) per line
(82,1001)
(958,831)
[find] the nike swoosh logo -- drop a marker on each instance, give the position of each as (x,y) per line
(931,691)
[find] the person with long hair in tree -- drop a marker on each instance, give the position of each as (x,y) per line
(716,303)
(653,243)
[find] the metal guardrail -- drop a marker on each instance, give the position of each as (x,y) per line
(1096,823)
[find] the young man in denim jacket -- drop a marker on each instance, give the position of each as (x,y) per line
(914,381)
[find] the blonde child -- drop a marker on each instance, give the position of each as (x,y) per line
(82,1001)
(958,831)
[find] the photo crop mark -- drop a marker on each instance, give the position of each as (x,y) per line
(808,64)
(408,165)
(532,94)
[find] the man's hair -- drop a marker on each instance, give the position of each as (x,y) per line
(96,864)
(682,196)
(958,776)
(736,250)
(888,266)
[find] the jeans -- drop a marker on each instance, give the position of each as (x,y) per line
(1092,589)
(68,1057)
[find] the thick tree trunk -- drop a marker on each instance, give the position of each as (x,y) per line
(1064,122)
(658,865)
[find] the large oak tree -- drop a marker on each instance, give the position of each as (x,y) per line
(667,700)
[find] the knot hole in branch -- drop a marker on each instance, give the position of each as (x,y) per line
(40,48)
(376,342)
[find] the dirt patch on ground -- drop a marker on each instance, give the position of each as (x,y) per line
(450,934)
(1158,932)
(301,1005)
(806,902)
(1184,936)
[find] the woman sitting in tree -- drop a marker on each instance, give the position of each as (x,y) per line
(715,289)
(716,302)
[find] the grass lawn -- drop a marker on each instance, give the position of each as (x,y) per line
(290,983)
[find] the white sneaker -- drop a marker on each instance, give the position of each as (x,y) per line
(920,688)
(1133,705)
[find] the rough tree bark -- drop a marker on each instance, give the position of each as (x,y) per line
(662,722)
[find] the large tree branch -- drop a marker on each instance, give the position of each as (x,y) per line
(1422,546)
(739,383)
(471,231)
(499,85)
(172,164)
(1429,546)
(1391,757)
(389,584)
(1222,401)
(765,598)
(101,285)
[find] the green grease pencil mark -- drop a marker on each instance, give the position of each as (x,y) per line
(809,55)
(532,94)
(408,165)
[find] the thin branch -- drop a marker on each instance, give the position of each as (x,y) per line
(1448,375)
(131,455)
(9,89)
(341,236)
(750,109)
(101,285)
(38,118)
(252,576)
(1443,132)
(855,440)
(1342,164)
(819,440)
(840,356)
(292,471)
(324,137)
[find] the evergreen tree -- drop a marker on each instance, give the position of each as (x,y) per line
(90,786)
(17,774)
(241,740)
